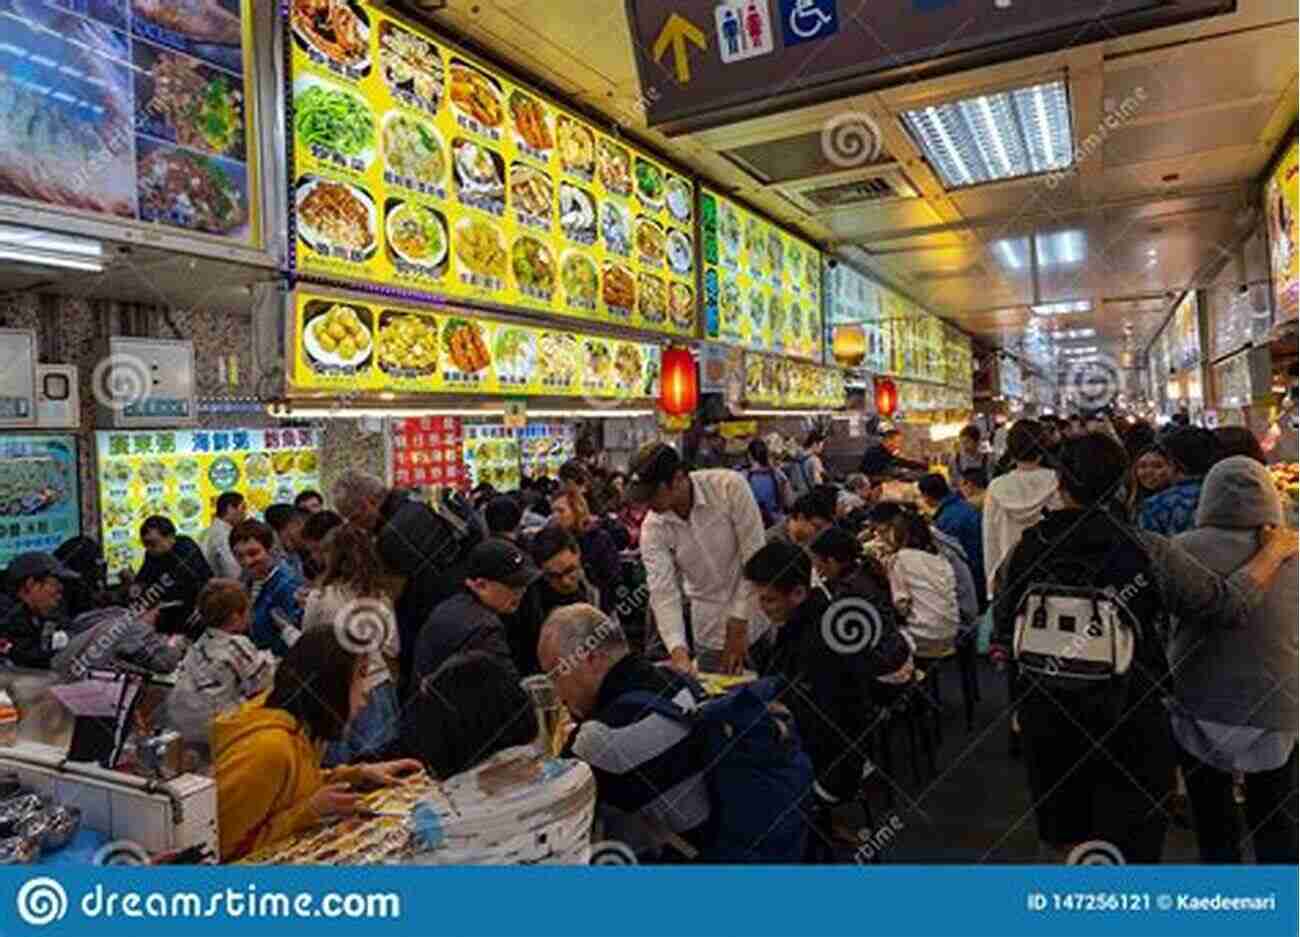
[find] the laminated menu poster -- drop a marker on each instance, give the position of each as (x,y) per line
(179,474)
(40,504)
(132,108)
(350,346)
(784,382)
(426,451)
(492,456)
(1282,205)
(761,287)
(417,166)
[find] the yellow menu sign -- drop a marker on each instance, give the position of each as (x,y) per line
(1282,205)
(784,382)
(180,473)
(416,166)
(761,287)
(350,346)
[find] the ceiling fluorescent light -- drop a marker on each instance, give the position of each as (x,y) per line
(1062,309)
(987,138)
(1010,253)
(44,259)
(291,411)
(1060,249)
(47,249)
(1068,334)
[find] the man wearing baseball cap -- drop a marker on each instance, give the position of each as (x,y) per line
(702,528)
(498,574)
(35,581)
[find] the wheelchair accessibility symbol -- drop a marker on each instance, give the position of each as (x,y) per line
(806,20)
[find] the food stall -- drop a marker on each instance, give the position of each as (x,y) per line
(1282,212)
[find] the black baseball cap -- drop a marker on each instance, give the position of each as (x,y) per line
(655,464)
(36,566)
(501,561)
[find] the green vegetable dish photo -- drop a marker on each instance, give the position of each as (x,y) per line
(333,119)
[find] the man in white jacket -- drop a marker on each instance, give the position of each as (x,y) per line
(1016,501)
(232,510)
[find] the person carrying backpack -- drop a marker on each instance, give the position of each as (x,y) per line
(1084,606)
(770,485)
(718,781)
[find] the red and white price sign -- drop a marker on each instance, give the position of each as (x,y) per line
(427,451)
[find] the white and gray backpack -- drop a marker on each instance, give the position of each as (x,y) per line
(1074,637)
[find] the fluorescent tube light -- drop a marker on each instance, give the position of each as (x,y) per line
(1062,309)
(987,138)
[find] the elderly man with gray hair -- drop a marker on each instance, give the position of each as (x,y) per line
(425,546)
(650,788)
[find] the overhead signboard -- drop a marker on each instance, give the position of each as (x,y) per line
(783,382)
(359,347)
(416,166)
(704,63)
(133,109)
(761,286)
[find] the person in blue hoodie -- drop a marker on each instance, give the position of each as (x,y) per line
(959,519)
(274,588)
(1235,681)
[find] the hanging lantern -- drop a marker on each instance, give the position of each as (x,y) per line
(849,346)
(886,397)
(679,390)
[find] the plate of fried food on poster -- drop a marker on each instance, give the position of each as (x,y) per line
(337,335)
(339,30)
(476,94)
(336,214)
(408,343)
(466,349)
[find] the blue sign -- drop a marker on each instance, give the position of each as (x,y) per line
(806,20)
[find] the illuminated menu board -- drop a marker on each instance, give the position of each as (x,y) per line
(131,108)
(761,286)
(1185,333)
(346,345)
(416,166)
(179,474)
(41,504)
(1282,206)
(780,381)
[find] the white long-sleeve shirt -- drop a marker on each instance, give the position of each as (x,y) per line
(707,554)
(1014,503)
(216,550)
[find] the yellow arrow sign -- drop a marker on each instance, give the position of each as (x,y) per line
(677,32)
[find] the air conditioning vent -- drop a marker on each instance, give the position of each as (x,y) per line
(848,189)
(851,193)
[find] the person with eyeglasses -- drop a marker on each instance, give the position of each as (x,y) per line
(558,557)
(497,578)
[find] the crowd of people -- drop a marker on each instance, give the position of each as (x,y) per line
(1138,588)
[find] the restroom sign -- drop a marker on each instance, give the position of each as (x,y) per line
(744,29)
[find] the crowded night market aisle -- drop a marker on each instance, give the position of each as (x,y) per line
(426,447)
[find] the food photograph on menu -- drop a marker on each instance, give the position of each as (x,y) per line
(416,166)
(131,108)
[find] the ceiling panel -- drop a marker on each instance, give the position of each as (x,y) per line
(1182,136)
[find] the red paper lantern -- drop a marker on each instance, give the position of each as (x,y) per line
(886,397)
(679,391)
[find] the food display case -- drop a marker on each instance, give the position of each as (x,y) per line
(180,473)
(414,165)
(761,287)
(135,111)
(40,498)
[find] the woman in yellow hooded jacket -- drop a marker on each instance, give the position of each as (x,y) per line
(267,753)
